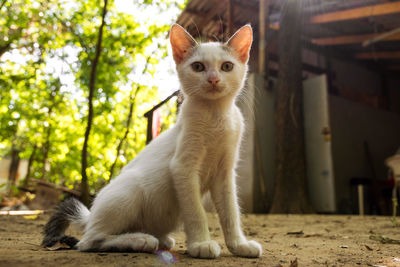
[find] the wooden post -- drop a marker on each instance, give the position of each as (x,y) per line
(263,20)
(149,116)
(290,191)
(149,133)
(360,189)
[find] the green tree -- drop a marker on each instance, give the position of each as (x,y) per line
(55,77)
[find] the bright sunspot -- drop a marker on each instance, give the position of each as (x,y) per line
(165,77)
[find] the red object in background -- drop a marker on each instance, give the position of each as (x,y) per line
(156,127)
(390,180)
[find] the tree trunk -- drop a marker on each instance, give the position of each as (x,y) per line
(92,82)
(5,48)
(13,170)
(2,4)
(290,193)
(30,161)
(46,148)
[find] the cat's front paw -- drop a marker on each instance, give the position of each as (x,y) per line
(167,243)
(248,249)
(204,250)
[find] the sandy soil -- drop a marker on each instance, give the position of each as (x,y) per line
(326,241)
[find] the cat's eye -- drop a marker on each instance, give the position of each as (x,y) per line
(198,66)
(227,66)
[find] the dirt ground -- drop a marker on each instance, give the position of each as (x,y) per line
(324,240)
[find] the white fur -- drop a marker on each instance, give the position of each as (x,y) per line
(165,182)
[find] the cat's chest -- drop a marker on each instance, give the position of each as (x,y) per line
(221,132)
(219,129)
(222,141)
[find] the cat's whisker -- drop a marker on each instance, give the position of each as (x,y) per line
(215,37)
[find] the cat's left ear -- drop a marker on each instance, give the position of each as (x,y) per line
(241,42)
(181,42)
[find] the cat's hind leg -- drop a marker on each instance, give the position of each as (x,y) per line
(138,242)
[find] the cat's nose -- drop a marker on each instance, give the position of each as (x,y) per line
(213,80)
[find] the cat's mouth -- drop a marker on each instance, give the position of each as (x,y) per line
(214,89)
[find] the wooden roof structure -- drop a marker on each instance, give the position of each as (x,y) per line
(364,31)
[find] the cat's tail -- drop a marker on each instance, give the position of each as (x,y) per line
(68,211)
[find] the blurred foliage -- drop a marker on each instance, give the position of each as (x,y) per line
(46,48)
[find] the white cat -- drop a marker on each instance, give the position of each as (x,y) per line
(165,182)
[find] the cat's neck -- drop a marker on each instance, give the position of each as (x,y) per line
(221,106)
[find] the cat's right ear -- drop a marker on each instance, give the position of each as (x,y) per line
(241,42)
(181,42)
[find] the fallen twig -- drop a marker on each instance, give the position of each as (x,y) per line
(384,239)
(296,233)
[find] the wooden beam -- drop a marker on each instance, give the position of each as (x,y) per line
(218,9)
(255,12)
(378,55)
(345,56)
(194,12)
(381,37)
(305,66)
(358,13)
(351,39)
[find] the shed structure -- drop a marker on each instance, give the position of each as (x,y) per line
(354,49)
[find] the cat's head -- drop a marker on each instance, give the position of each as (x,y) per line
(211,70)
